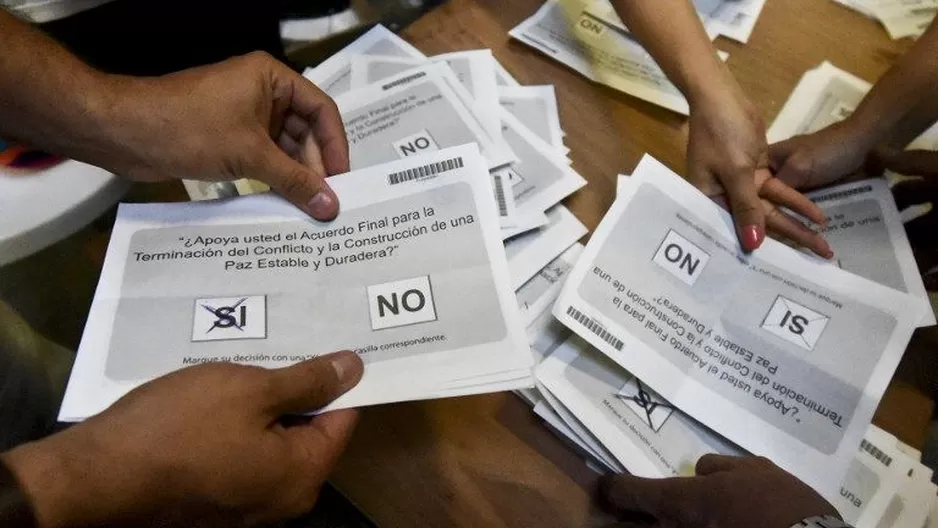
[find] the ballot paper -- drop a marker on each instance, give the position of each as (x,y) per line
(333,76)
(884,488)
(824,96)
(734,19)
(411,275)
(643,431)
(541,178)
(530,252)
(599,51)
(901,18)
(410,113)
(474,70)
(538,294)
(868,238)
(545,334)
(536,108)
(905,18)
(582,434)
(561,429)
(780,352)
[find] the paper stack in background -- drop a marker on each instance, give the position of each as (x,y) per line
(396,102)
(620,422)
(901,18)
(589,37)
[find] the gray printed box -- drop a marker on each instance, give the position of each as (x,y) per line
(309,311)
(734,300)
(422,110)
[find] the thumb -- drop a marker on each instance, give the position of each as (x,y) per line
(299,184)
(312,384)
(670,498)
(746,207)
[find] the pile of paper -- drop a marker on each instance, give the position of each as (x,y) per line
(901,18)
(452,206)
(589,37)
(682,346)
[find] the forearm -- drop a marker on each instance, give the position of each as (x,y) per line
(48,97)
(905,101)
(673,34)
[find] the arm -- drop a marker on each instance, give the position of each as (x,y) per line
(899,107)
(672,32)
(248,117)
(727,155)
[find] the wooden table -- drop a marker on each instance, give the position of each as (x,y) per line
(486,461)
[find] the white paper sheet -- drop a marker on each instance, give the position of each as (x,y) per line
(333,76)
(539,292)
(473,80)
(868,238)
(644,432)
(541,178)
(388,278)
(795,349)
(536,108)
(530,252)
(412,112)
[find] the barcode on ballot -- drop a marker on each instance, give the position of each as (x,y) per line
(500,195)
(427,171)
(595,327)
(843,194)
(876,452)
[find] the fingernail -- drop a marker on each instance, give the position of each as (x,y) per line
(322,206)
(753,236)
(346,366)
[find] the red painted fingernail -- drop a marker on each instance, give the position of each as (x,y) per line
(753,236)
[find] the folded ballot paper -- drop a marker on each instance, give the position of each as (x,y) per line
(412,276)
(785,355)
(588,37)
(901,18)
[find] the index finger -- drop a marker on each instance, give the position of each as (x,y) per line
(322,114)
(781,194)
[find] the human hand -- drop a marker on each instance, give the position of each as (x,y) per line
(727,492)
(727,158)
(247,117)
(819,159)
(207,446)
(917,191)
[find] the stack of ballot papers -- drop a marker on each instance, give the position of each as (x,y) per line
(412,276)
(668,343)
(901,18)
(449,155)
(589,37)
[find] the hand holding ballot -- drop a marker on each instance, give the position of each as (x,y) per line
(207,445)
(727,492)
(250,117)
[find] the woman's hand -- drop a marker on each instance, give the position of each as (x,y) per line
(727,159)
